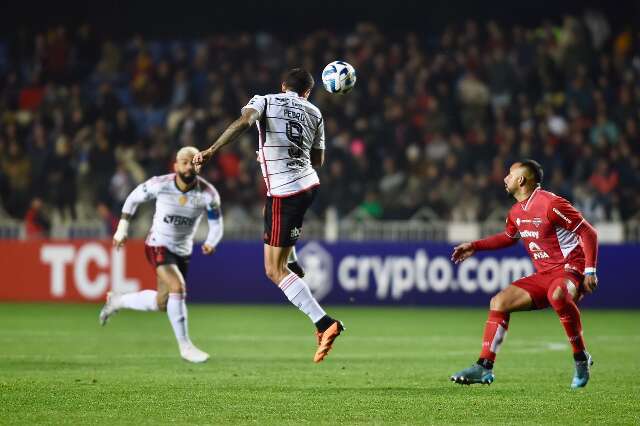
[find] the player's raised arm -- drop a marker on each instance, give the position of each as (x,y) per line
(235,129)
(142,193)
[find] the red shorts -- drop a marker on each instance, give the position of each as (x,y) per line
(159,255)
(538,284)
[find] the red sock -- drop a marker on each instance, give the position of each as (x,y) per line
(495,331)
(569,315)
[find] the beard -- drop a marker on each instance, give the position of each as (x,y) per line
(187,178)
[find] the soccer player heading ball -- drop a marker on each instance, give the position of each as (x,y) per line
(290,148)
(563,247)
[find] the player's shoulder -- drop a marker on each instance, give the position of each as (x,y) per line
(551,198)
(162,179)
(311,108)
(208,188)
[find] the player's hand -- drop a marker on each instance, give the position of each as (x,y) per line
(462,252)
(590,283)
(207,249)
(200,159)
(119,240)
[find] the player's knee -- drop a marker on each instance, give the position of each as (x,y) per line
(497,303)
(275,272)
(176,287)
(272,272)
(556,293)
(162,302)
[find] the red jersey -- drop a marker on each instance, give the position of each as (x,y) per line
(547,225)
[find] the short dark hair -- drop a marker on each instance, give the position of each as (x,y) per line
(535,169)
(299,80)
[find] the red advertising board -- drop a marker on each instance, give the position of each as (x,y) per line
(71,270)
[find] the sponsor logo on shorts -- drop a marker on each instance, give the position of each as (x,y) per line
(536,222)
(295,233)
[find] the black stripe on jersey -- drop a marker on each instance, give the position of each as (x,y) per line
(307,156)
(291,181)
(286,119)
(273,131)
(279,173)
(281,159)
(301,109)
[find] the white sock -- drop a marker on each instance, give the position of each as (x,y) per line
(293,256)
(299,294)
(177,313)
(145,300)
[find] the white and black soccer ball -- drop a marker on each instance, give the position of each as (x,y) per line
(338,77)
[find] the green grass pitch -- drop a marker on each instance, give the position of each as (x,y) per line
(391,365)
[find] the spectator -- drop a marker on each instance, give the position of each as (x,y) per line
(36,223)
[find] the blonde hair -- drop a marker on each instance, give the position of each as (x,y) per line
(187,150)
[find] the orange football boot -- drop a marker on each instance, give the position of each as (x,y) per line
(326,339)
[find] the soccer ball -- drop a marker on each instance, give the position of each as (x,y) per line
(338,77)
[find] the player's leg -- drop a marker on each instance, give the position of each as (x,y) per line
(296,290)
(293,265)
(292,261)
(511,299)
(283,224)
(562,294)
(176,308)
(145,300)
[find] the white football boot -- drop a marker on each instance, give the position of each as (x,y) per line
(190,353)
(108,309)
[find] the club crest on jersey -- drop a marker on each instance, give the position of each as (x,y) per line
(182,200)
(536,221)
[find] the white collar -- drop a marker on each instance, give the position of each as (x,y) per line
(533,194)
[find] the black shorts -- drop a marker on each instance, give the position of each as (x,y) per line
(159,255)
(283,218)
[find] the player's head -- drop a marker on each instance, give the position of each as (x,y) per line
(184,166)
(523,175)
(299,80)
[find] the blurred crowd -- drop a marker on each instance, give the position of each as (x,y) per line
(429,132)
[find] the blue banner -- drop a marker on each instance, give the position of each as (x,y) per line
(381,273)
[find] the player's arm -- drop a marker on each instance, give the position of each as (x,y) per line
(507,238)
(589,237)
(317,158)
(235,129)
(216,226)
(562,214)
(142,193)
(317,148)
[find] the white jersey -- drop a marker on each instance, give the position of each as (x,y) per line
(288,127)
(178,213)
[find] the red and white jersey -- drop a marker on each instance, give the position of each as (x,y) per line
(288,128)
(178,213)
(547,225)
